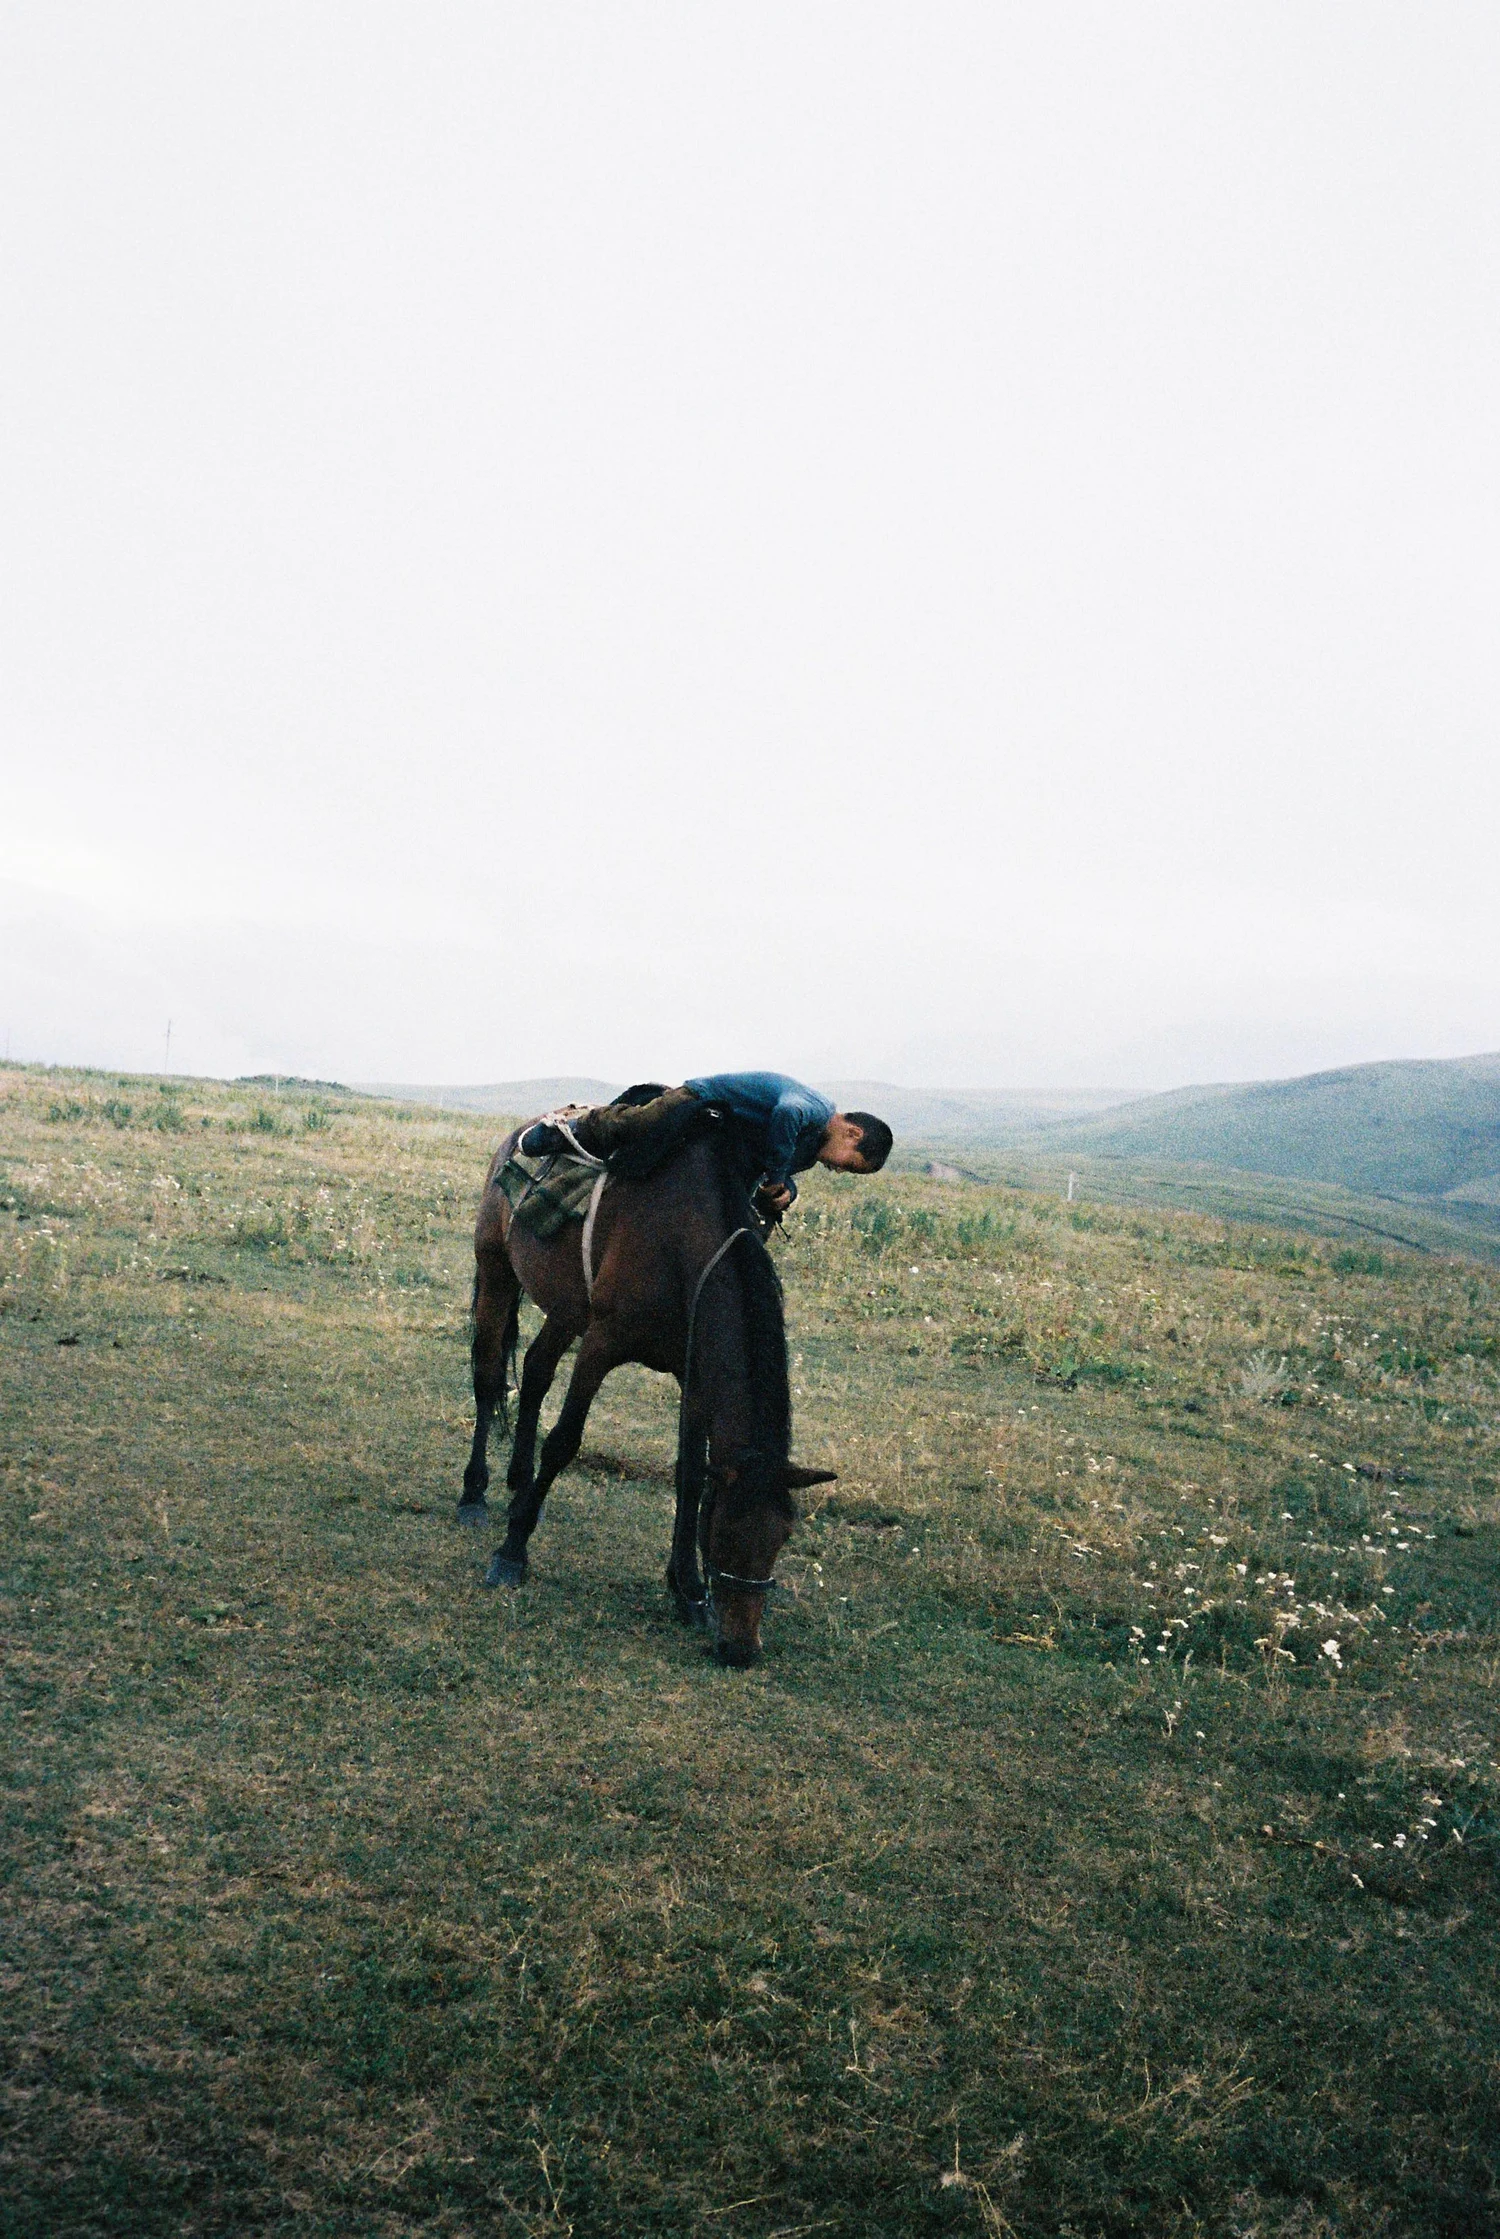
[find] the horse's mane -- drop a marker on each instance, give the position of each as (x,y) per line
(751,1266)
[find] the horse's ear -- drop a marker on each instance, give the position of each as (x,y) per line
(797,1479)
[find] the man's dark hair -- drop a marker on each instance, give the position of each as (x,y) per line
(875,1139)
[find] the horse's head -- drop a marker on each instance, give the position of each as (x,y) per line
(747,1520)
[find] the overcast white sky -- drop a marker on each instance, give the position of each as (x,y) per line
(947,543)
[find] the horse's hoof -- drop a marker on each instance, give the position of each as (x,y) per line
(689,1611)
(504,1570)
(473,1512)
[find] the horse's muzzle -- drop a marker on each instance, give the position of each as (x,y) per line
(737,1655)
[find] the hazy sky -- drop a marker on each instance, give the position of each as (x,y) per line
(956,544)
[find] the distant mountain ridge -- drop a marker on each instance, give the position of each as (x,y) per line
(508,1099)
(977,1116)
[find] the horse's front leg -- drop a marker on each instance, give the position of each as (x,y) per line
(684,1580)
(596,1357)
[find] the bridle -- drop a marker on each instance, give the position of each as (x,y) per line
(732,1583)
(714,1578)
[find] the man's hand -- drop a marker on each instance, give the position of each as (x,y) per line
(773,1198)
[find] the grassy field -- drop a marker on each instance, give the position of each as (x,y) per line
(1106,1845)
(1440,1226)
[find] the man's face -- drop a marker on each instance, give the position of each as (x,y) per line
(843,1147)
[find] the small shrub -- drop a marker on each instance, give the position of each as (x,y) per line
(1332,1500)
(1223,1635)
(1263,1378)
(261,1228)
(878,1225)
(978,1344)
(1359,1263)
(169,1119)
(315,1120)
(1398,1359)
(68,1108)
(117,1112)
(1113,1372)
(264,1122)
(976,1231)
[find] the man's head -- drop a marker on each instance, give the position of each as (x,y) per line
(855,1143)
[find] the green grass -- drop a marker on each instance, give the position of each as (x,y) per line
(1044,1878)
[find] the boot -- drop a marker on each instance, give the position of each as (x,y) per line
(542,1141)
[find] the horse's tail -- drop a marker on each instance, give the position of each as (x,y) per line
(509,1342)
(494,1307)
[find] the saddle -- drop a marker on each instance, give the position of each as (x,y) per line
(548,1191)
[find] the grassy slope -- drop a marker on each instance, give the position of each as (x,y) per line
(344,1898)
(1317,1208)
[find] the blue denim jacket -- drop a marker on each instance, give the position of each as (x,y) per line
(783,1120)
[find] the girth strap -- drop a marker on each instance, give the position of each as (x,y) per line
(588,1235)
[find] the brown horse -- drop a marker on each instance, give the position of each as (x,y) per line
(679,1256)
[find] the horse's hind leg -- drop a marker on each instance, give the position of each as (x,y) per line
(497,1314)
(542,1357)
(596,1357)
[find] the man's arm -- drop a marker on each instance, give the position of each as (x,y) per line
(796,1109)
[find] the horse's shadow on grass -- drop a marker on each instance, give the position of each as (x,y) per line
(593,1461)
(620,1588)
(620,1584)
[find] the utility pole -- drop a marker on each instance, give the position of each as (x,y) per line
(168,1065)
(1072,1184)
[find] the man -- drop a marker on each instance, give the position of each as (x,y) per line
(783,1128)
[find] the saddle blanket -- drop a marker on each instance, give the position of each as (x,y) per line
(544,1194)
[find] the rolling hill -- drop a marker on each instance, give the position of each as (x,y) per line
(1405,1148)
(1406,1129)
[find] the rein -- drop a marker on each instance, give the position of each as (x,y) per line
(712,1575)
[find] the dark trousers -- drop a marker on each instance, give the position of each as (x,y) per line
(615,1127)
